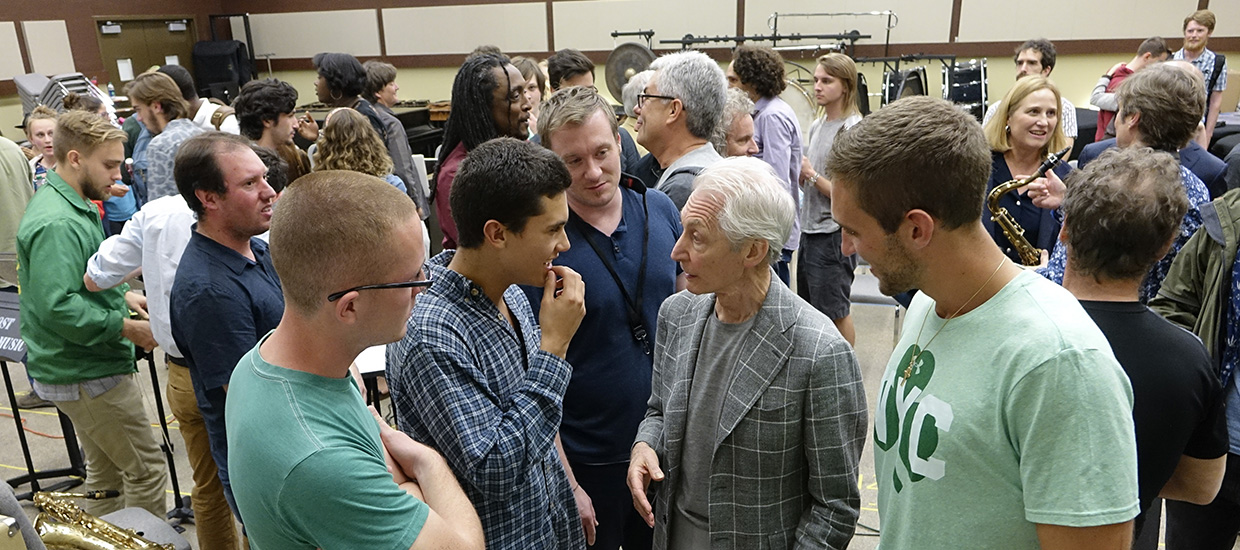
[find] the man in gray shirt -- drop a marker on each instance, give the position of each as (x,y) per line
(756,440)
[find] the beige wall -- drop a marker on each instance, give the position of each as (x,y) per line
(1075,75)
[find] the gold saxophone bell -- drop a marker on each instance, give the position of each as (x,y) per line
(64,526)
(1029,254)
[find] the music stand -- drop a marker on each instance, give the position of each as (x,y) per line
(14,349)
(182,512)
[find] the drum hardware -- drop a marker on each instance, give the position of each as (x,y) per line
(689,40)
(647,35)
(893,20)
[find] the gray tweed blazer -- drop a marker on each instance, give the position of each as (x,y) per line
(784,463)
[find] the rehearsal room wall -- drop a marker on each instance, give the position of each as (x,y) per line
(428,39)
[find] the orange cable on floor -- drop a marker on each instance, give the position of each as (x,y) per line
(35,432)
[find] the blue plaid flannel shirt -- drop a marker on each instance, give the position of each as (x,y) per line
(466,382)
(1197,196)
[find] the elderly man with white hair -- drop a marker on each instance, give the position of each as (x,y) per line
(676,115)
(757,412)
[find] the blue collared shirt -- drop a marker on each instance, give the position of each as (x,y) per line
(221,304)
(1198,195)
(479,390)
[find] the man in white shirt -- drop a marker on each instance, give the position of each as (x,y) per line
(1037,56)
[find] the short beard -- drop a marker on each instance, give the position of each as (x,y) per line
(91,192)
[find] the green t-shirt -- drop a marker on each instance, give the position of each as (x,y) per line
(306,463)
(1017,414)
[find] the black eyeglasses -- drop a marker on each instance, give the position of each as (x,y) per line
(641,98)
(407,284)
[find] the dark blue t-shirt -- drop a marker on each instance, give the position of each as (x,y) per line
(607,395)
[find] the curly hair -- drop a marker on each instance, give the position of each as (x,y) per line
(260,101)
(1043,46)
(350,143)
(760,68)
(344,73)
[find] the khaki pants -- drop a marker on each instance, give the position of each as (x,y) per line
(214,519)
(120,449)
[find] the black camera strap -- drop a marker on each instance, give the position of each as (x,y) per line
(634,306)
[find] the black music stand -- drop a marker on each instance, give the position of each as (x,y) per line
(76,472)
(182,512)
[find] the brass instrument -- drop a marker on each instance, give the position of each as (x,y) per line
(64,526)
(1029,255)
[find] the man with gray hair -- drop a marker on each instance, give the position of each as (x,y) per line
(756,440)
(676,115)
(734,135)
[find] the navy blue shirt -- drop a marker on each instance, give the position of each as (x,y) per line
(1040,225)
(610,385)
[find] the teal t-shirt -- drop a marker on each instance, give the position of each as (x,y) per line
(1016,414)
(306,463)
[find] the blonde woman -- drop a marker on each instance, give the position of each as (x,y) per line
(825,274)
(349,142)
(40,129)
(1023,131)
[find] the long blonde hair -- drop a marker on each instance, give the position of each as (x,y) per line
(349,142)
(997,130)
(844,69)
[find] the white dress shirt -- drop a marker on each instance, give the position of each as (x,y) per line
(154,240)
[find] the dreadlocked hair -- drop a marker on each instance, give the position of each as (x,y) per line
(470,120)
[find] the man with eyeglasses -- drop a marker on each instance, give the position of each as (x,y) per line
(676,115)
(314,468)
(226,294)
(478,376)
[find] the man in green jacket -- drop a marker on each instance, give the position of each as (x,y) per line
(1202,293)
(80,343)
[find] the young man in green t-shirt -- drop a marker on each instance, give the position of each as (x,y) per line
(310,467)
(1003,419)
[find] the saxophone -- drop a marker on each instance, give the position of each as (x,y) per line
(64,526)
(1029,255)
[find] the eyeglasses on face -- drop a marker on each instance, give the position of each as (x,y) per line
(641,98)
(406,284)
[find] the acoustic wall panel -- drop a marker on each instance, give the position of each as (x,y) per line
(48,44)
(303,34)
(990,21)
(513,27)
(10,51)
(916,22)
(587,24)
(1228,15)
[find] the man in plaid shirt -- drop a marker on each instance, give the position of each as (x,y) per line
(474,377)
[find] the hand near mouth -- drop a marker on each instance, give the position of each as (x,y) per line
(563,306)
